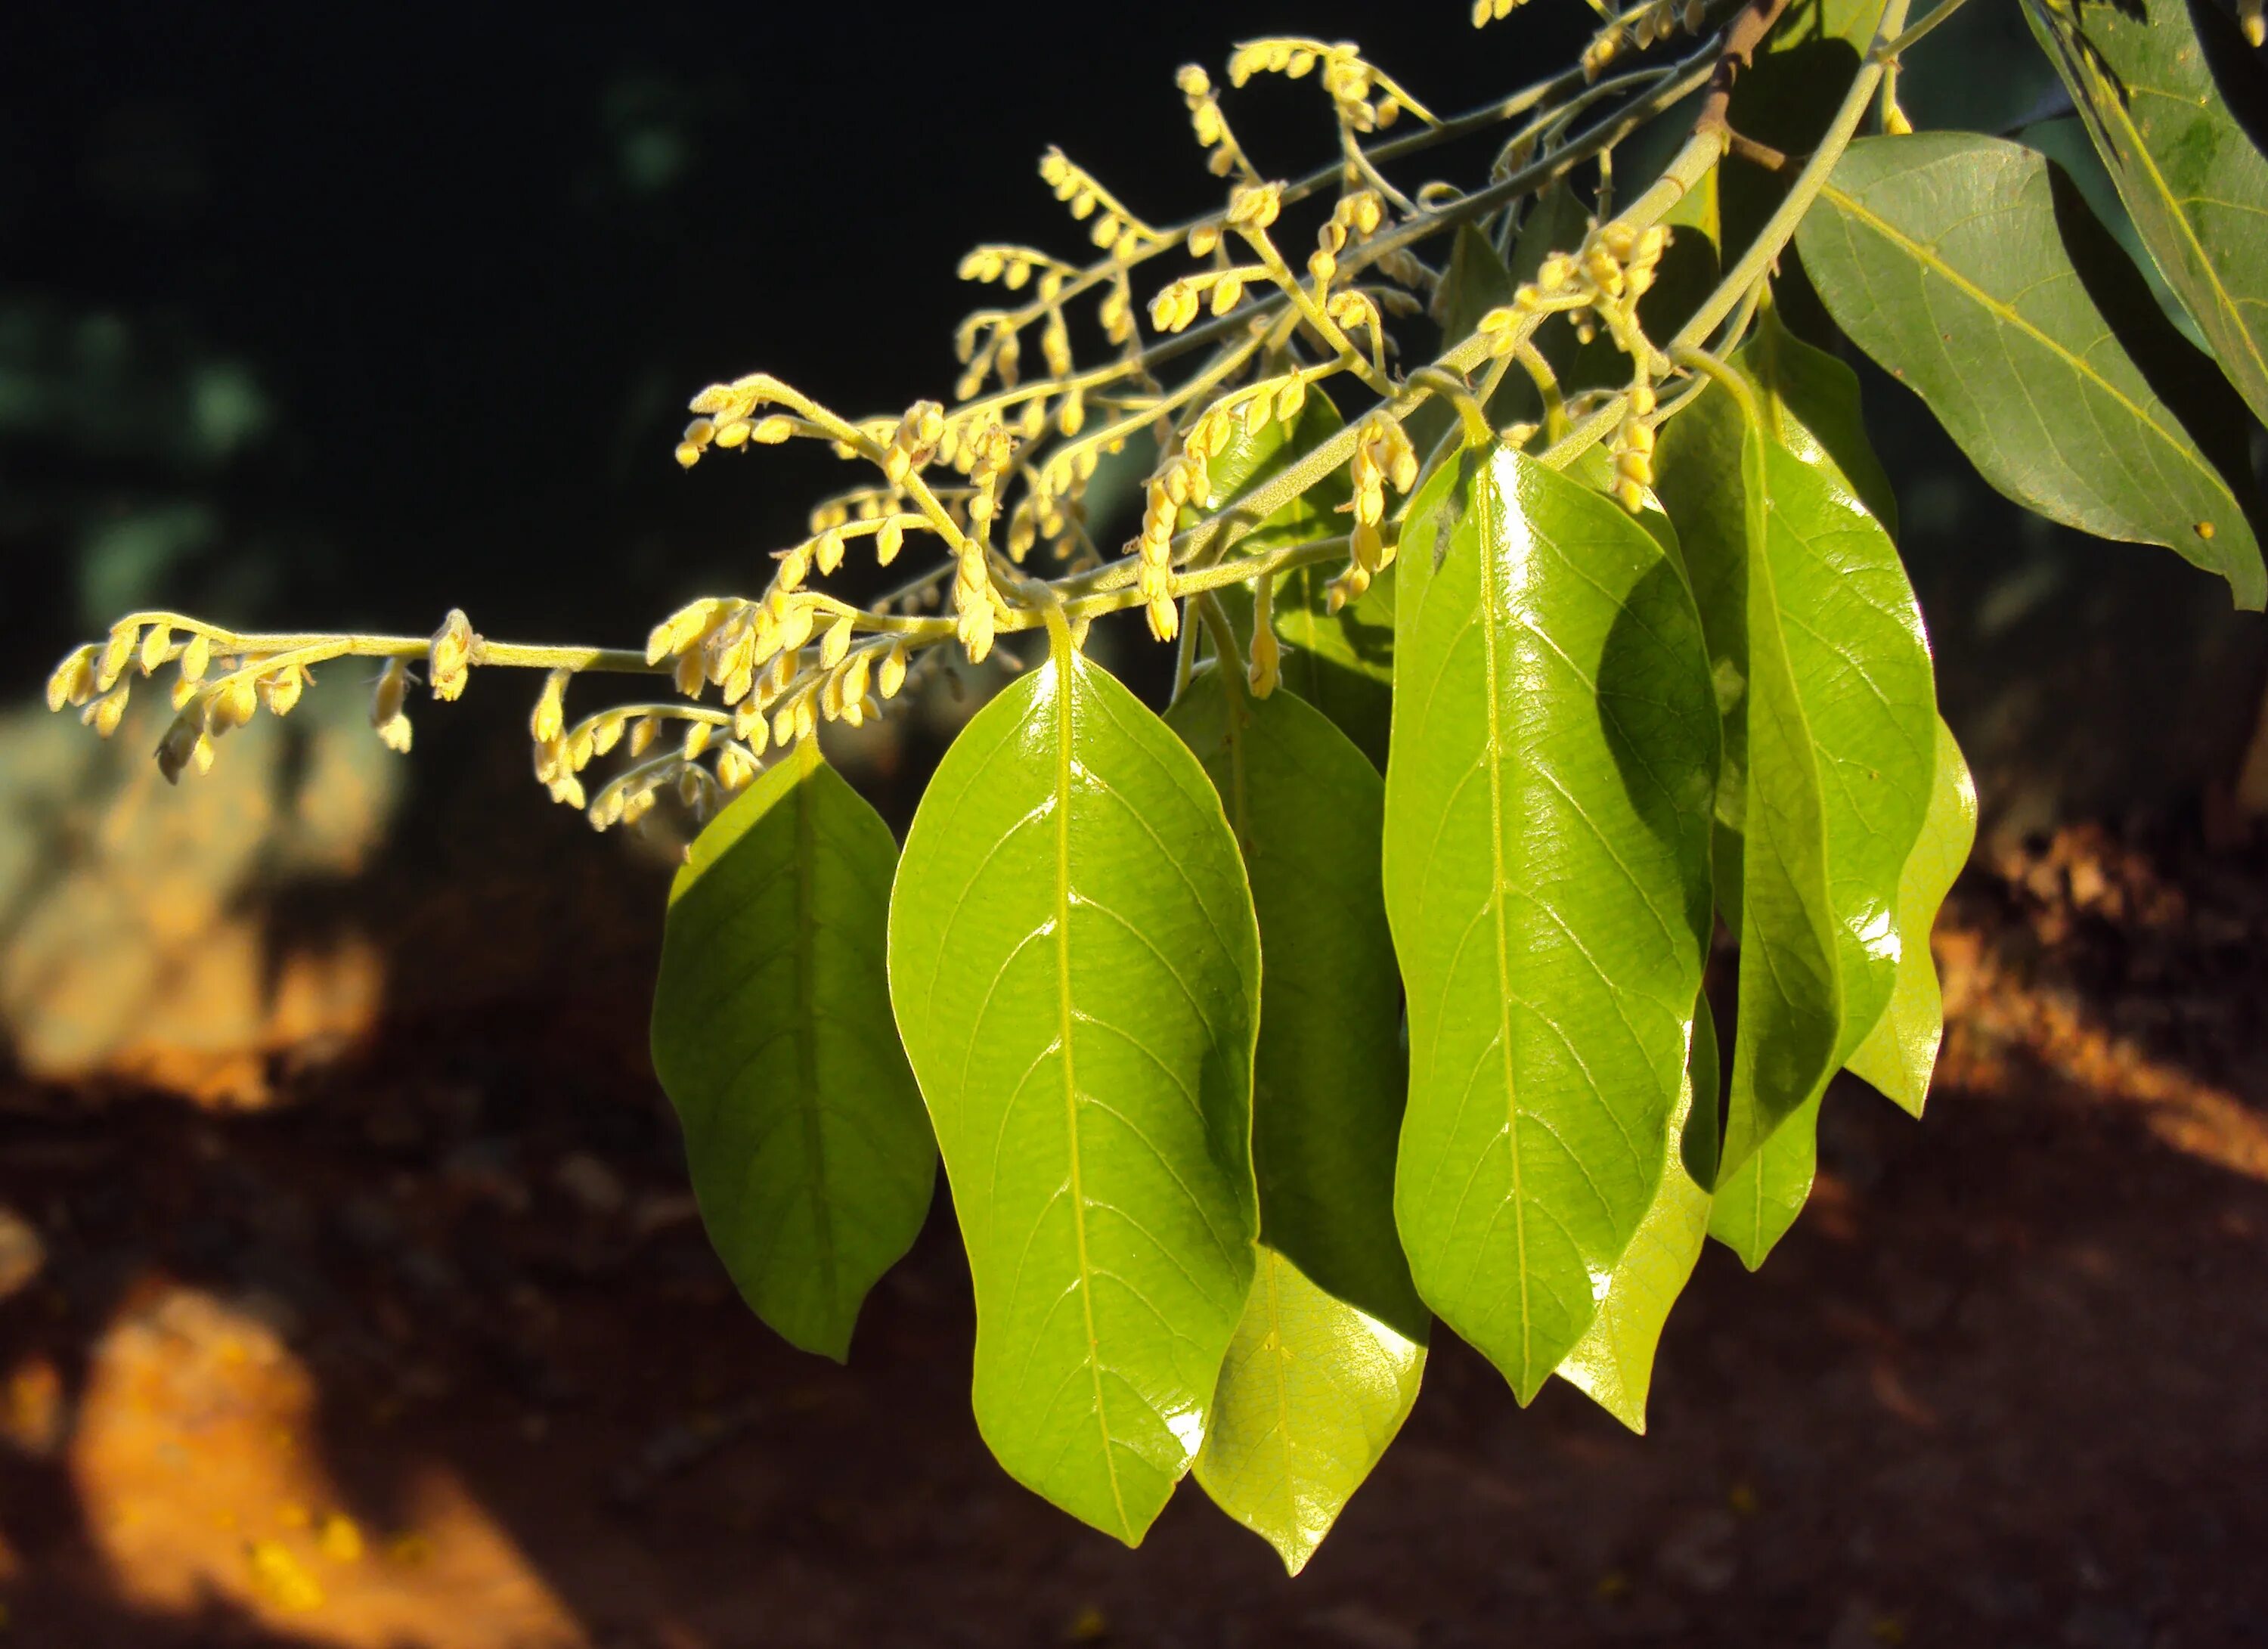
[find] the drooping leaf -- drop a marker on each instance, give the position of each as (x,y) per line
(1901,1052)
(1076,972)
(1967,269)
(1311,1393)
(1327,1360)
(1329,1075)
(1829,704)
(1613,1363)
(1547,882)
(810,1155)
(2141,75)
(1343,662)
(1758,1202)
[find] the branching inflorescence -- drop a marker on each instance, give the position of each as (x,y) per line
(992,489)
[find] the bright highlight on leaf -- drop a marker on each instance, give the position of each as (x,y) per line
(1546,876)
(1076,974)
(810,1155)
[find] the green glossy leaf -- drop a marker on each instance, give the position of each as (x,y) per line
(1613,1363)
(1343,662)
(2141,75)
(1311,1392)
(1824,679)
(1547,882)
(810,1156)
(1076,973)
(1758,1202)
(1329,1074)
(1944,256)
(1901,1052)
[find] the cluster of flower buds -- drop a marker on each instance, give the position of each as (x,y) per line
(1116,229)
(1488,11)
(1177,304)
(724,416)
(1603,278)
(1207,121)
(915,442)
(1662,20)
(1252,208)
(1633,448)
(1357,215)
(991,452)
(1350,81)
(1183,482)
(1382,454)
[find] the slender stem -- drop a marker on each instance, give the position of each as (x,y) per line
(1891,48)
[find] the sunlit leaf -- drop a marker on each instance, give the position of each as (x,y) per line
(1901,1052)
(1547,881)
(1809,402)
(1076,972)
(2141,75)
(1343,662)
(1311,1392)
(810,1154)
(1968,269)
(1613,1363)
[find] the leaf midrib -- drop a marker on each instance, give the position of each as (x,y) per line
(806,1049)
(1488,498)
(1067,670)
(1928,259)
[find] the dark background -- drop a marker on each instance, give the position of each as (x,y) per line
(339,316)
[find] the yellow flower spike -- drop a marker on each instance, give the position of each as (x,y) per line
(448,661)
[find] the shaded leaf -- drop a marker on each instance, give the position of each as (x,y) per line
(1329,1074)
(1944,256)
(1547,881)
(1311,1393)
(2142,76)
(1901,1052)
(810,1155)
(1075,969)
(2064,140)
(1613,1363)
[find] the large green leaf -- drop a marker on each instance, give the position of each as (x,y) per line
(810,1156)
(1809,403)
(1327,1360)
(1824,679)
(1329,1074)
(1076,972)
(2141,75)
(1901,1052)
(1341,662)
(1613,1363)
(1547,881)
(1311,1393)
(1945,257)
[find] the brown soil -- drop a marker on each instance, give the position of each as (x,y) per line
(429,1350)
